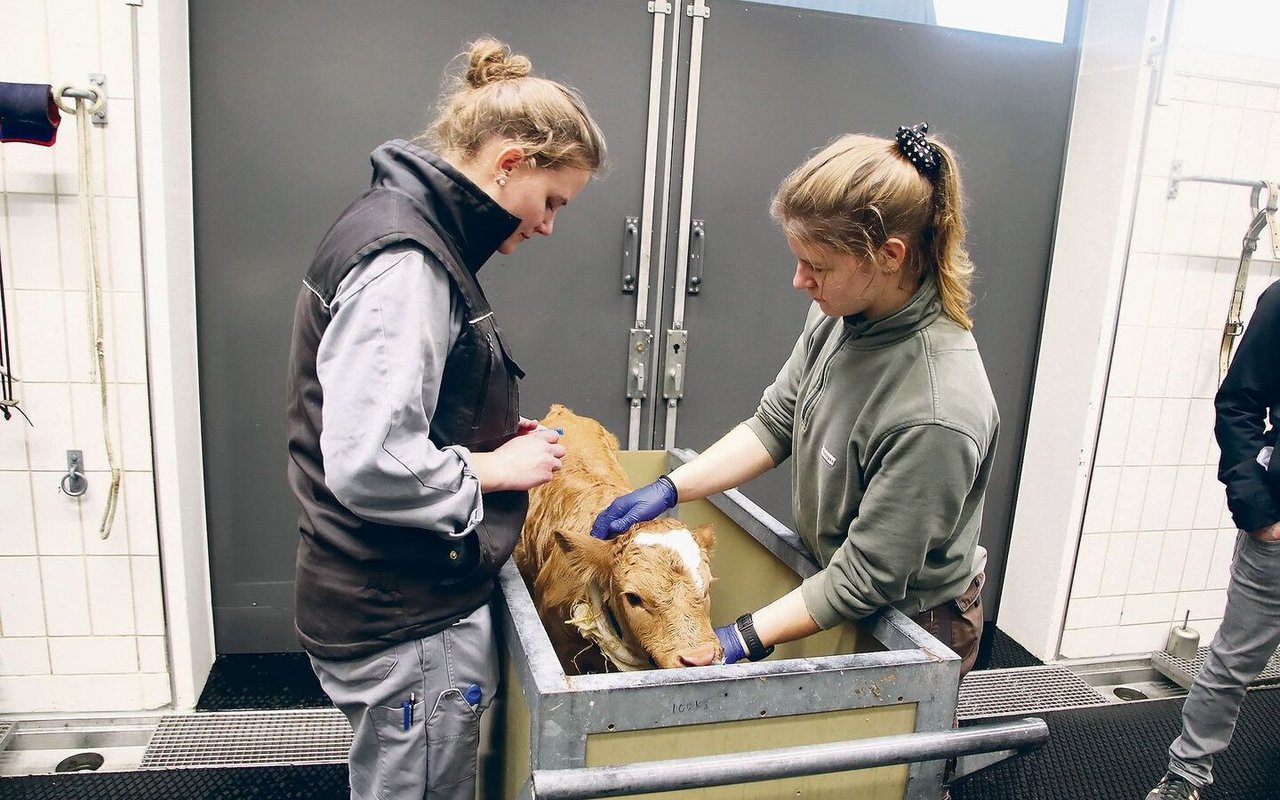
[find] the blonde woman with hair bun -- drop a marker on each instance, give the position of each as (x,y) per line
(884,406)
(407,451)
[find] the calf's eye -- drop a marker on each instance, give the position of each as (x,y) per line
(633,599)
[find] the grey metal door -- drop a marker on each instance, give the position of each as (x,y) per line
(288,100)
(776,84)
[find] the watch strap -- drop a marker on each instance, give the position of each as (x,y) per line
(755,650)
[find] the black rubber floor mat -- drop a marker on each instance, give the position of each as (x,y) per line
(243,681)
(998,651)
(1118,752)
(320,782)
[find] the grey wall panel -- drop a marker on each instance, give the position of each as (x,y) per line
(778,84)
(288,100)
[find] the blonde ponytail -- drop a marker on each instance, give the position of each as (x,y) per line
(945,239)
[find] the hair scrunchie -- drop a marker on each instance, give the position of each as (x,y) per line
(922,153)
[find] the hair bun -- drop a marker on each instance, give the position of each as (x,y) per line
(489,61)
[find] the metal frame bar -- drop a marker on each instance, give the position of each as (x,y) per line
(664,220)
(650,163)
(1162,54)
(659,12)
(697,9)
(761,765)
(1176,177)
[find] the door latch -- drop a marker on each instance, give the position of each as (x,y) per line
(638,363)
(673,366)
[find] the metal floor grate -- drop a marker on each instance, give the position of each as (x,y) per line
(1002,692)
(1183,671)
(249,738)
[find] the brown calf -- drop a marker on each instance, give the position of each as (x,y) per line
(639,600)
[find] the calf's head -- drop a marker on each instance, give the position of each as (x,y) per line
(655,581)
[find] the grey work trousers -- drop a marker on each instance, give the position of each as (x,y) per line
(1249,634)
(414,710)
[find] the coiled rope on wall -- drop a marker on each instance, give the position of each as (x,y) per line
(94,305)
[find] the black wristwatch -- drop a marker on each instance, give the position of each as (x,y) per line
(755,650)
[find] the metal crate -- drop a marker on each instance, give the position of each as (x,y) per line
(863,710)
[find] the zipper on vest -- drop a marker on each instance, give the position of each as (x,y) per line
(478,413)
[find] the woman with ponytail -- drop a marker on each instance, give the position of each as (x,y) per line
(407,450)
(883,407)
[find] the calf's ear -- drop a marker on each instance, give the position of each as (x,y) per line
(585,552)
(705,536)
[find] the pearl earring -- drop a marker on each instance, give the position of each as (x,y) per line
(501,180)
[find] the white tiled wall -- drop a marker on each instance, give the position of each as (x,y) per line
(81,619)
(1157,538)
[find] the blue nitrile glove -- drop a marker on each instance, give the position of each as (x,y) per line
(731,641)
(641,505)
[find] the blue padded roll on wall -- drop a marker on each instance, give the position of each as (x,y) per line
(28,113)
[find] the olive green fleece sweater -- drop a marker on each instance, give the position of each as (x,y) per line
(891,426)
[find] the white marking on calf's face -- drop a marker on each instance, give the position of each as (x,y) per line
(682,542)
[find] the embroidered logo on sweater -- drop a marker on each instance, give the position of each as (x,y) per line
(827,457)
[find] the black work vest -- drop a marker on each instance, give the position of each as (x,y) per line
(363,586)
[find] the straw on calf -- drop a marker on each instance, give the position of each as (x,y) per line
(637,601)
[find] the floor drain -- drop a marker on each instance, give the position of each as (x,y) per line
(1125,693)
(80,762)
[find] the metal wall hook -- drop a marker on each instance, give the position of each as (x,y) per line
(74,483)
(96,95)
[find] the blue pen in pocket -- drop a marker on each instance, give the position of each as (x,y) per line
(407,706)
(472,695)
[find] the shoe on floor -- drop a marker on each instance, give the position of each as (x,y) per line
(1174,787)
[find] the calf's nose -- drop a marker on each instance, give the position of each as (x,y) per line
(698,656)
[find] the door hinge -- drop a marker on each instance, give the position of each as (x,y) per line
(659,7)
(698,9)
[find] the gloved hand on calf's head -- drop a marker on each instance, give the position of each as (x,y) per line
(641,505)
